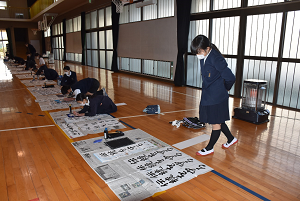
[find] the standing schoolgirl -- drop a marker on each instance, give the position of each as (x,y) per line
(217,81)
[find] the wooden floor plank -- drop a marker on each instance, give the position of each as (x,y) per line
(3,186)
(41,162)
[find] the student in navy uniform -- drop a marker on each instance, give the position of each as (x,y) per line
(94,105)
(30,50)
(87,86)
(19,60)
(50,74)
(69,77)
(217,81)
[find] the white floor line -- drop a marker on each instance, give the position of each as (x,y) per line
(142,115)
(12,90)
(191,142)
(13,129)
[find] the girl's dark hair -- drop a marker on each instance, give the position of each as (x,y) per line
(201,42)
(66,68)
(37,55)
(80,97)
(64,89)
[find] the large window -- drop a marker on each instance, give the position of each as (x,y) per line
(162,9)
(260,2)
(3,43)
(163,69)
(57,41)
(99,45)
(3,5)
(268,48)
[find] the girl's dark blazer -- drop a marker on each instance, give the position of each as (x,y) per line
(217,79)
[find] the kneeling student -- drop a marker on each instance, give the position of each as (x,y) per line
(87,86)
(50,74)
(94,105)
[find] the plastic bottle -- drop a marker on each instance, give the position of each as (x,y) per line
(59,80)
(105,133)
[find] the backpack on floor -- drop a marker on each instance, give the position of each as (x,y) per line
(152,109)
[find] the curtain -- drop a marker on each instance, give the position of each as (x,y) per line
(43,43)
(51,40)
(10,51)
(183,25)
(83,37)
(115,31)
(64,38)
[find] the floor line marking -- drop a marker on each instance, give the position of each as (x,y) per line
(240,186)
(191,142)
(13,129)
(142,115)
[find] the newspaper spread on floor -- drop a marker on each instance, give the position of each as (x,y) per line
(81,126)
(139,170)
(40,92)
(27,76)
(36,82)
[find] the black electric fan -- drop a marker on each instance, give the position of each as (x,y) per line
(253,102)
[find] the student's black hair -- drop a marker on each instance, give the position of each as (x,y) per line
(201,42)
(64,89)
(80,97)
(38,55)
(66,68)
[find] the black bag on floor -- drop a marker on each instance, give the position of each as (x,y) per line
(192,122)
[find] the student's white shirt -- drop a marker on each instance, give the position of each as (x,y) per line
(42,61)
(206,56)
(76,92)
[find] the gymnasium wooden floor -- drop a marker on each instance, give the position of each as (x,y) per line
(39,163)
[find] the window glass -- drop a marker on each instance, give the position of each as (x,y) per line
(109,40)
(260,2)
(109,55)
(263,35)
(101,39)
(200,6)
(102,58)
(196,28)
(101,17)
(134,13)
(94,40)
(288,94)
(165,8)
(93,19)
(124,16)
(95,58)
(150,12)
(87,21)
(88,40)
(108,16)
(225,34)
(221,4)
(292,36)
